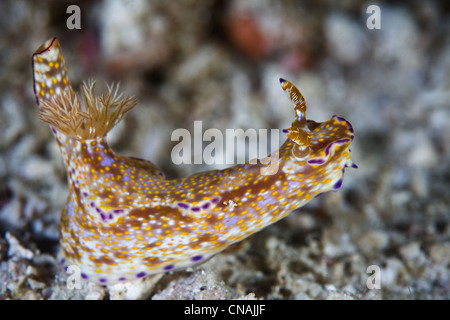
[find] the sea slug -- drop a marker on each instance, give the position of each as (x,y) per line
(123,220)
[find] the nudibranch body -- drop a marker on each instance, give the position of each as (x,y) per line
(123,220)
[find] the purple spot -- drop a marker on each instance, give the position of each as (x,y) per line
(341,140)
(316,161)
(102,216)
(169,267)
(141,274)
(231,222)
(106,161)
(354,166)
(66,268)
(195,209)
(215,200)
(161,174)
(118,211)
(73,170)
(98,210)
(102,280)
(327,150)
(53,130)
(285,131)
(350,127)
(110,216)
(84,276)
(196,258)
(183,205)
(122,279)
(85,194)
(62,261)
(338,184)
(319,194)
(205,206)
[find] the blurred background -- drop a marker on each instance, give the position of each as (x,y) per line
(219,62)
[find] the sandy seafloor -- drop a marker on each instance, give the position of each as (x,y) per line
(219,62)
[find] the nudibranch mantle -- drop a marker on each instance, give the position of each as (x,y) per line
(123,220)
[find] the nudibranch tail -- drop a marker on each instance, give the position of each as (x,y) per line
(49,71)
(90,117)
(124,221)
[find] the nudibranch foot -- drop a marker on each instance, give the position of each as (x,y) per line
(123,220)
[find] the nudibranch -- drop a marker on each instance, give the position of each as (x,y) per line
(123,220)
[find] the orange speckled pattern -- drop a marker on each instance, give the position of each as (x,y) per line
(49,70)
(123,220)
